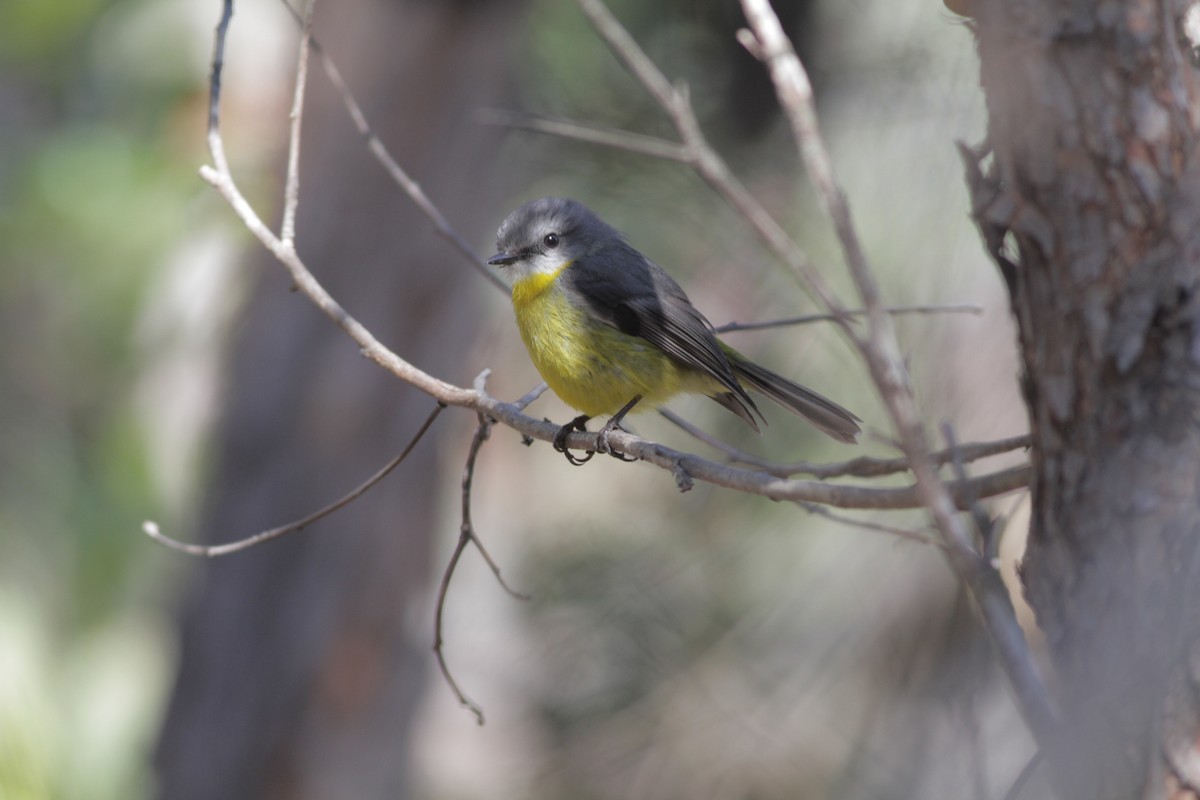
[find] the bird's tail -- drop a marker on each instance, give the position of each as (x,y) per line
(825,414)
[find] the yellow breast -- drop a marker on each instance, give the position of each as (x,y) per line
(592,366)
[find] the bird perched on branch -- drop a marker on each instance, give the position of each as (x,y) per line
(608,329)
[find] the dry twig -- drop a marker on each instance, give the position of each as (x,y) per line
(861,467)
(466,536)
(881,350)
(151,529)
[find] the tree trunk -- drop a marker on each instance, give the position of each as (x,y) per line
(299,675)
(1093,111)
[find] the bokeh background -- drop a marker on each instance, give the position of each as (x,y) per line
(155,365)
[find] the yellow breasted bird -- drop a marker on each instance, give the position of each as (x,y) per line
(608,329)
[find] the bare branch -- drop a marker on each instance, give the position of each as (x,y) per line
(468,480)
(861,467)
(466,535)
(707,163)
(879,348)
(984,525)
(806,319)
(595,134)
(151,529)
(291,192)
(531,395)
(793,489)
(465,701)
(218,63)
(887,368)
(869,525)
(215,145)
(393,168)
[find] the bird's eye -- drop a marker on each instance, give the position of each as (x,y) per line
(551,240)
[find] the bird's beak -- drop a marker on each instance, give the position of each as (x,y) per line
(502,259)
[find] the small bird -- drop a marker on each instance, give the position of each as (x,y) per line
(609,329)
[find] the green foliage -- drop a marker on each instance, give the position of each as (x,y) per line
(94,199)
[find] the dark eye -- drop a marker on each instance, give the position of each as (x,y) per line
(551,240)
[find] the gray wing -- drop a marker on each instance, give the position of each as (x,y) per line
(637,297)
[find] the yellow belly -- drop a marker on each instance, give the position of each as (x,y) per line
(592,366)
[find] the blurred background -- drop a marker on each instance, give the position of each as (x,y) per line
(155,365)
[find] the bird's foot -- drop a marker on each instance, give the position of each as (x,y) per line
(602,445)
(560,440)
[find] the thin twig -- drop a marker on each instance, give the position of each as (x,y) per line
(879,348)
(953,308)
(291,192)
(882,353)
(466,535)
(218,64)
(469,479)
(397,173)
(151,528)
(907,534)
(491,562)
(1026,773)
(705,161)
(795,489)
(861,467)
(215,145)
(985,526)
(465,701)
(584,132)
(531,395)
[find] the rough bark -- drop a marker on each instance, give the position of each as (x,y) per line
(299,675)
(1093,111)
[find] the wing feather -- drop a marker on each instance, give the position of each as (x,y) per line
(637,297)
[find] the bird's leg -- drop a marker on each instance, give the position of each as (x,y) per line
(560,440)
(612,425)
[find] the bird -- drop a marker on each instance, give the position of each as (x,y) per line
(608,329)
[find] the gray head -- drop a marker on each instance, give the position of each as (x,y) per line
(544,234)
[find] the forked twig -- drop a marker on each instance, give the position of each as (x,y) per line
(392,166)
(467,535)
(882,353)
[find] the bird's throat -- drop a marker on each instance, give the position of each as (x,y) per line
(530,288)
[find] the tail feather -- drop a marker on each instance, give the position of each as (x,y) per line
(821,412)
(737,406)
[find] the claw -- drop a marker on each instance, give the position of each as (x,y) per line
(602,445)
(560,440)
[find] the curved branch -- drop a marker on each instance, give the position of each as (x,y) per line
(152,530)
